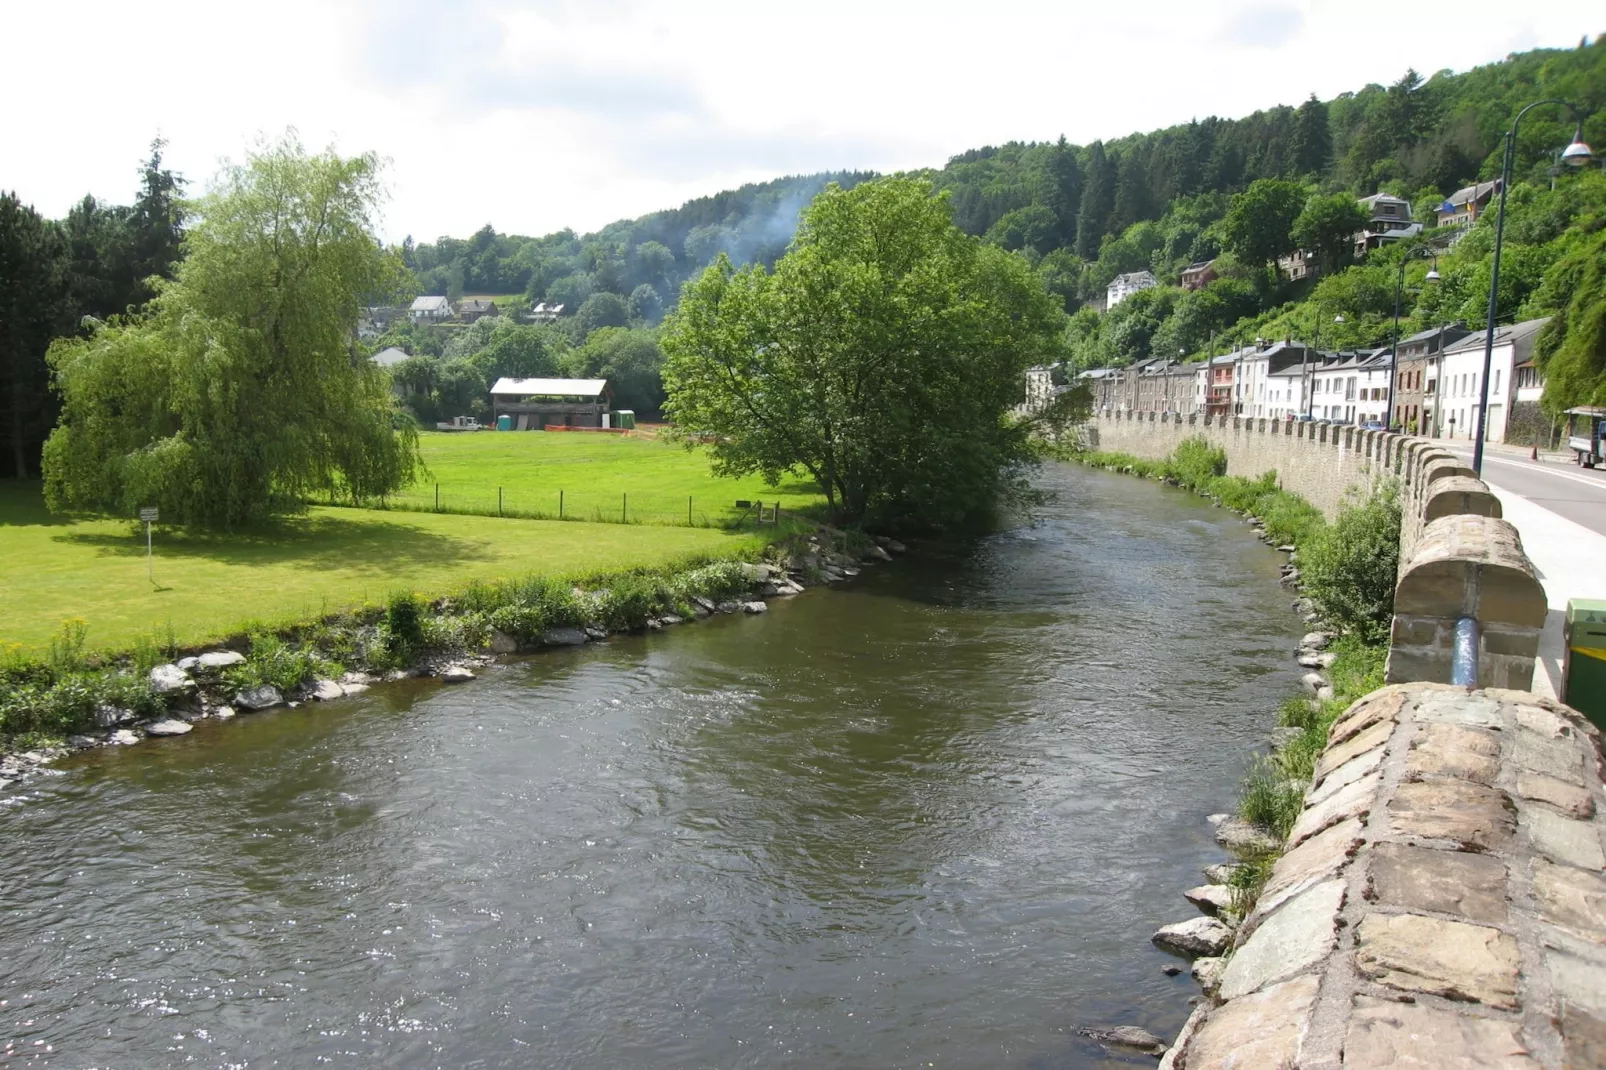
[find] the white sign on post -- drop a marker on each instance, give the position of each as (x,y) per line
(148,515)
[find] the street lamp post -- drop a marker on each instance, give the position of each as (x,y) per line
(1576,155)
(1394,351)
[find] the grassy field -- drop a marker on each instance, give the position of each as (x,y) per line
(596,473)
(53,569)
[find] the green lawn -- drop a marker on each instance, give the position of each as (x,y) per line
(596,474)
(53,569)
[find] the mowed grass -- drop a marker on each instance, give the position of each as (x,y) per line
(608,477)
(211,585)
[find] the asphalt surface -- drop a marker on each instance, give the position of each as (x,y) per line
(1579,494)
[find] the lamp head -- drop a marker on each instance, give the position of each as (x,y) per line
(1339,318)
(1577,154)
(1433,273)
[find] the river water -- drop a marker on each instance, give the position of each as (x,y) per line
(926,820)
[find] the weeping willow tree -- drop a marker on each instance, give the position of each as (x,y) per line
(242,391)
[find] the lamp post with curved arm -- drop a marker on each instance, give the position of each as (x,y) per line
(1413,253)
(1576,155)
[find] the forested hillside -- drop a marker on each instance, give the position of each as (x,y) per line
(1240,191)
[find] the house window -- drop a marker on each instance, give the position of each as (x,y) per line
(1496,384)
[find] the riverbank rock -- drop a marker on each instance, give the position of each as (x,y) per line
(1193,938)
(1236,834)
(564,637)
(1126,1036)
(112,716)
(325,690)
(259,698)
(1309,659)
(728,607)
(223,713)
(756,573)
(595,634)
(1315,641)
(503,643)
(1282,737)
(169,727)
(877,553)
(213,660)
(167,679)
(754,607)
(123,737)
(1313,682)
(1213,900)
(1207,971)
(1221,872)
(456,674)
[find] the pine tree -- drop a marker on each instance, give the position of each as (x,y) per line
(156,224)
(1098,201)
(1313,138)
(1065,189)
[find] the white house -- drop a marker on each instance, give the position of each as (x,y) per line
(1462,371)
(1372,388)
(390,356)
(1335,388)
(429,310)
(1126,285)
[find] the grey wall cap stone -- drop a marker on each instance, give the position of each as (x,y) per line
(1312,861)
(1444,882)
(1353,800)
(1453,959)
(1563,839)
(1265,1030)
(1292,940)
(1407,1036)
(1348,773)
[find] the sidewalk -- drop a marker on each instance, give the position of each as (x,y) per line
(1571,562)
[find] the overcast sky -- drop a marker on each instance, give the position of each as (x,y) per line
(542,114)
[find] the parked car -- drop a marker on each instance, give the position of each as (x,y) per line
(1372,425)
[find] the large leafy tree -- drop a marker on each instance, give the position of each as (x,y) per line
(881,355)
(242,390)
(631,362)
(1259,220)
(35,306)
(1327,226)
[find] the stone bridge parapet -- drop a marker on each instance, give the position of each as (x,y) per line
(1441,902)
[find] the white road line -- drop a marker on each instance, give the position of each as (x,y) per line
(1598,484)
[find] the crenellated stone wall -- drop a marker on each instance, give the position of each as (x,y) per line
(1458,557)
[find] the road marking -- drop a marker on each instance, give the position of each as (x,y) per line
(1598,484)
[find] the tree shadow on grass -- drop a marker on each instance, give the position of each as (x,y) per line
(317,542)
(22,504)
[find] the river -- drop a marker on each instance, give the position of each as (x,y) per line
(929,819)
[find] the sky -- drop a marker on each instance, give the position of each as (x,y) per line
(543,114)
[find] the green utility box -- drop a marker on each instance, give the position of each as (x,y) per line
(1583,668)
(504,422)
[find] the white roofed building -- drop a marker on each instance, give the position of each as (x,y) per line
(1124,286)
(538,404)
(430,309)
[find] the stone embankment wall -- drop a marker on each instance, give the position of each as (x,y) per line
(1441,902)
(1458,557)
(1321,463)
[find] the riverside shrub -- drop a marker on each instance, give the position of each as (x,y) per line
(1349,567)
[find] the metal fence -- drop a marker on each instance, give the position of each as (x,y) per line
(606,507)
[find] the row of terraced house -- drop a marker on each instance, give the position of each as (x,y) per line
(1437,380)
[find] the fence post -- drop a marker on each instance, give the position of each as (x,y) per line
(688,510)
(437,497)
(624,507)
(560,505)
(498,501)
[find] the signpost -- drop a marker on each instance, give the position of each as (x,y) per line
(148,515)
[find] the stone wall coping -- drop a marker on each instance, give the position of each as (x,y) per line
(1457,916)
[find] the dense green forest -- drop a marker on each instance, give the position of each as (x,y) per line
(1240,191)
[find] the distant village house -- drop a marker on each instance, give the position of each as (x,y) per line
(430,310)
(535,404)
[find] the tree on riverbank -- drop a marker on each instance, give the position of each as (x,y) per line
(241,391)
(882,355)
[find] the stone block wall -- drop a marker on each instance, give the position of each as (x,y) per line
(1441,902)
(1458,557)
(1322,463)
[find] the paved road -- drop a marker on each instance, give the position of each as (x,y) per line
(1579,494)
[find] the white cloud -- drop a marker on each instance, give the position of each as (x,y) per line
(539,115)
